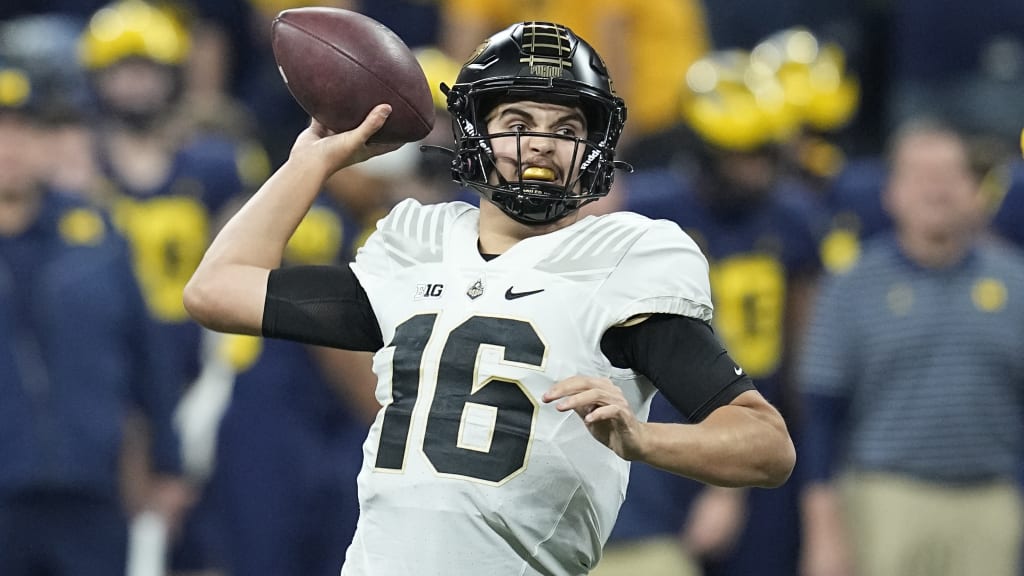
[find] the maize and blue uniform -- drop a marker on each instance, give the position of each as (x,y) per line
(77,348)
(284,485)
(754,254)
(169,227)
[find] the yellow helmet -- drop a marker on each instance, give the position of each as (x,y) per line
(438,67)
(273,7)
(813,77)
(15,89)
(730,107)
(130,28)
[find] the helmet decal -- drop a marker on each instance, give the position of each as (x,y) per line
(547,49)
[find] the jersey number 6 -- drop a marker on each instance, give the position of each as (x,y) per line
(457,390)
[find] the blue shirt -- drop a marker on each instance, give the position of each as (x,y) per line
(754,252)
(169,226)
(918,371)
(76,348)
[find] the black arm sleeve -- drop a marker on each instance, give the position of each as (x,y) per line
(682,357)
(322,305)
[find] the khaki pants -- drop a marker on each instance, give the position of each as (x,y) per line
(906,527)
(650,557)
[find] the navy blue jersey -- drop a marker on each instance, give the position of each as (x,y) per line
(755,254)
(76,347)
(266,369)
(289,448)
(169,227)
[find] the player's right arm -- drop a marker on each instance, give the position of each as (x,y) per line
(228,290)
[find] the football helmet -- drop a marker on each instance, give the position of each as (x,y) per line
(133,28)
(728,108)
(15,89)
(813,76)
(124,40)
(544,62)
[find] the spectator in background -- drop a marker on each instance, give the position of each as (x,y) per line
(761,245)
(77,351)
(647,44)
(288,451)
(912,378)
(46,47)
(162,182)
(808,78)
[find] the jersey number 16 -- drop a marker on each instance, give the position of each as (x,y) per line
(514,409)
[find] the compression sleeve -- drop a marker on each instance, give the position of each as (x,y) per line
(682,358)
(323,305)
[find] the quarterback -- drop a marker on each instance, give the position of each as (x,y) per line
(518,345)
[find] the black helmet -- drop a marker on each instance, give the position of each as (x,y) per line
(544,62)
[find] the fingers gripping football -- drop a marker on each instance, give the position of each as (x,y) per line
(604,410)
(338,150)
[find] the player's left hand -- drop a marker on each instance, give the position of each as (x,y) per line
(604,410)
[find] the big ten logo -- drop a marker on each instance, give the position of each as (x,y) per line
(317,240)
(750,293)
(168,235)
(426,291)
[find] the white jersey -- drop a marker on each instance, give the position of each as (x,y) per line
(466,471)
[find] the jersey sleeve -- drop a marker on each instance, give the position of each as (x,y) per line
(663,272)
(373,264)
(410,235)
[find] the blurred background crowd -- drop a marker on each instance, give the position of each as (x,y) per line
(851,169)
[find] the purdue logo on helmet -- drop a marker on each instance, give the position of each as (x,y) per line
(544,62)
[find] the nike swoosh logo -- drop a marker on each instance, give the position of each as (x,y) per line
(737,370)
(510,295)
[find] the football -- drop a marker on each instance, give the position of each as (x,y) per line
(339,64)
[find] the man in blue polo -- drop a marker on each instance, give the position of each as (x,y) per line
(77,350)
(913,380)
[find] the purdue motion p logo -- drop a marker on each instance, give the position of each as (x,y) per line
(476,290)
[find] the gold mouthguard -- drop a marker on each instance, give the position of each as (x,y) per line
(538,173)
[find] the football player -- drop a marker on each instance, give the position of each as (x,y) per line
(162,182)
(163,188)
(517,345)
(761,241)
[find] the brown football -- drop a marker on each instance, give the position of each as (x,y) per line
(339,64)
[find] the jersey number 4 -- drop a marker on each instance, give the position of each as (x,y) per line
(513,410)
